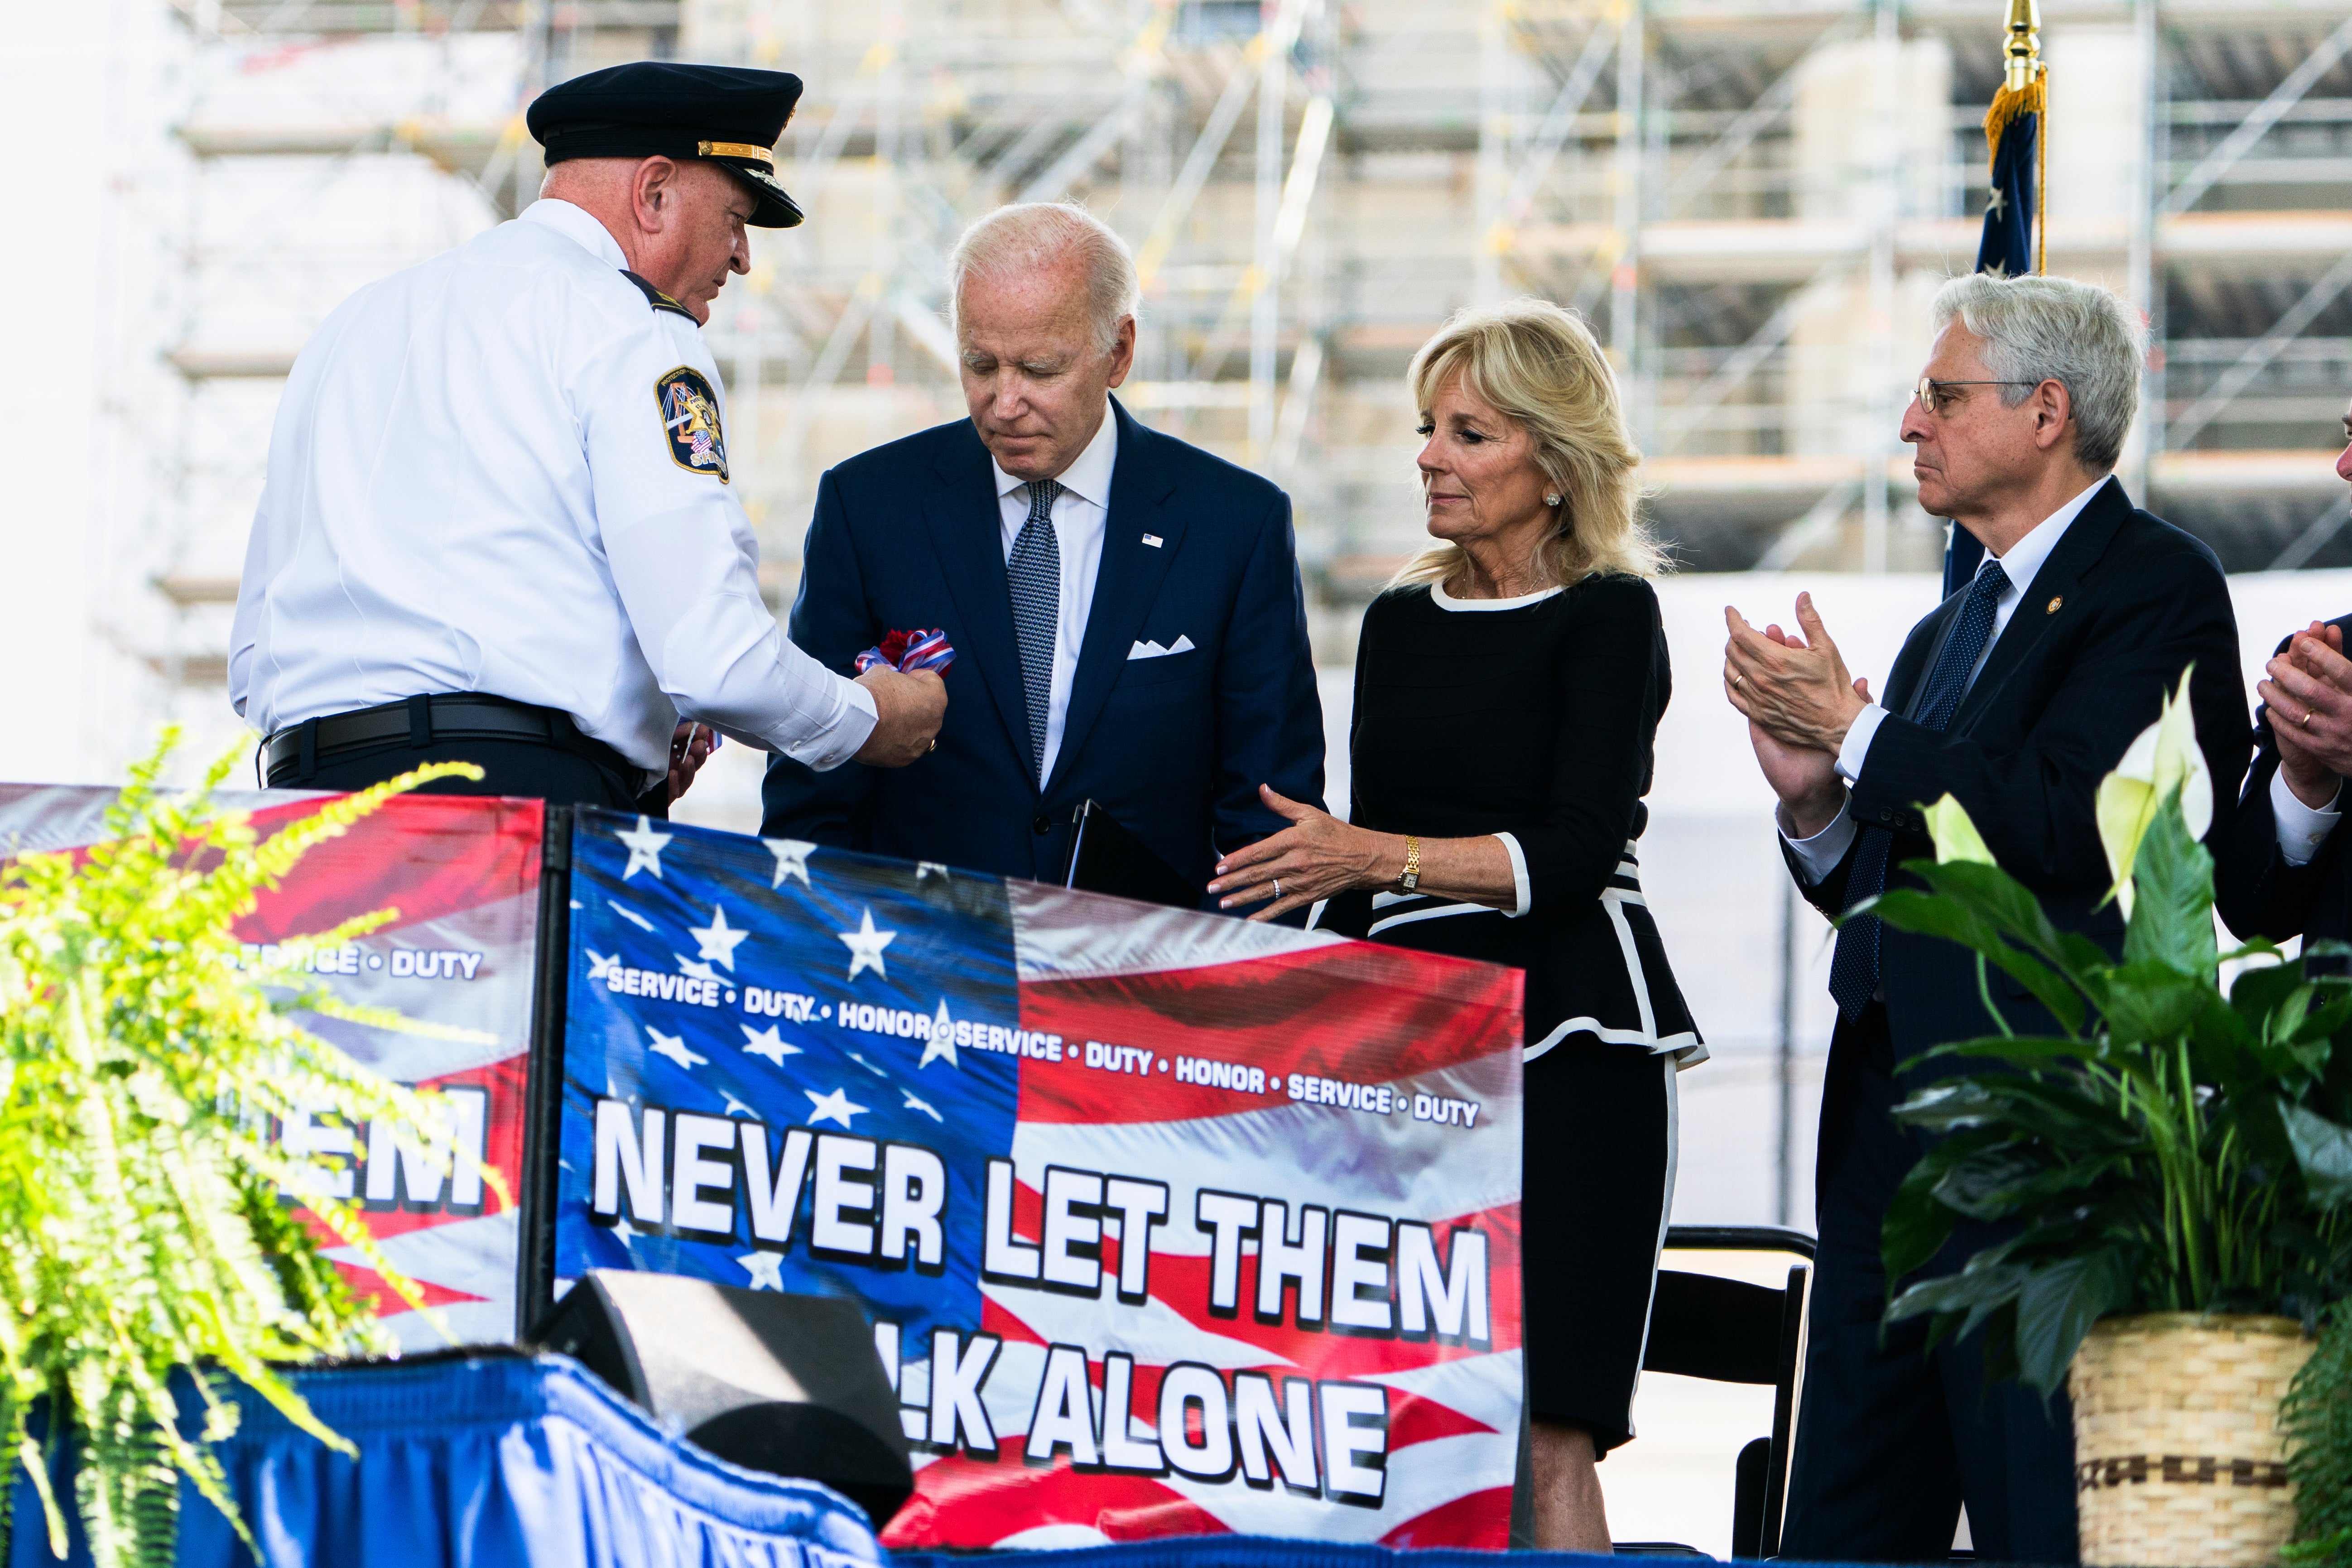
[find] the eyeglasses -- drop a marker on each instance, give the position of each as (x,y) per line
(1931,392)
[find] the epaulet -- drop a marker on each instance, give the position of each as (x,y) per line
(655,298)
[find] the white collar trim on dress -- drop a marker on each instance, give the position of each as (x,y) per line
(1445,600)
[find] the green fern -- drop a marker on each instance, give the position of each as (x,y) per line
(2316,1416)
(140,1069)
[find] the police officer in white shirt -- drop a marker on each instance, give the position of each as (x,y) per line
(498,523)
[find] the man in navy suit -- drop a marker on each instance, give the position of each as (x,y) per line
(2016,697)
(1125,608)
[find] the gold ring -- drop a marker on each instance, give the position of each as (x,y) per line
(934,745)
(1736,679)
(2305,719)
(1277,886)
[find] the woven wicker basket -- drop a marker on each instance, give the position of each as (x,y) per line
(2178,1457)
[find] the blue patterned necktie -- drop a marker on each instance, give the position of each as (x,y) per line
(1853,969)
(1034,572)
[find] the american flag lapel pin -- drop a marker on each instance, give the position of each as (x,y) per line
(1153,540)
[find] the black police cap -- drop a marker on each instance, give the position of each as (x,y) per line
(727,115)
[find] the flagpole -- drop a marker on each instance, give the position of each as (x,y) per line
(2022,106)
(2023,72)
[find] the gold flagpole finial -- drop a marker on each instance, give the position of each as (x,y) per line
(2024,50)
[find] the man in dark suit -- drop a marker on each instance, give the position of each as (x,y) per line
(2016,696)
(2281,869)
(1125,608)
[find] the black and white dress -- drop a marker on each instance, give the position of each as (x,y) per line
(1532,720)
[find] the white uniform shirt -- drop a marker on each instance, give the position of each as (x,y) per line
(473,486)
(2022,562)
(1081,512)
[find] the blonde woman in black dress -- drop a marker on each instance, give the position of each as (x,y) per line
(1508,685)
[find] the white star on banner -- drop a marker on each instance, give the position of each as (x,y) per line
(718,940)
(792,860)
(866,945)
(833,1107)
(693,969)
(599,966)
(767,1043)
(765,1269)
(645,848)
(869,1066)
(916,1102)
(737,1107)
(941,1046)
(1993,208)
(672,1047)
(624,1232)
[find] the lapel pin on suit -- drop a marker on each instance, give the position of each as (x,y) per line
(2057,601)
(1153,540)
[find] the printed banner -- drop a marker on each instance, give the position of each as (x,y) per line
(1168,1223)
(463,874)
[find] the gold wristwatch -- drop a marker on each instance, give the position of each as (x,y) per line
(1411,879)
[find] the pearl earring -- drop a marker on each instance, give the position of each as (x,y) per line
(1552,498)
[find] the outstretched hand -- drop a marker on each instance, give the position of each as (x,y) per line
(1315,857)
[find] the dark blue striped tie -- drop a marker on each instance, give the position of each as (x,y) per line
(1853,969)
(1034,572)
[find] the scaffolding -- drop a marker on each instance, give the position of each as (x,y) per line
(1752,199)
(1753,203)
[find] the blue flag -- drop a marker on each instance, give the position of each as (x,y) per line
(2013,128)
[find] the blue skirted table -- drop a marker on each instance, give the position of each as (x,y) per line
(506,1460)
(488,1461)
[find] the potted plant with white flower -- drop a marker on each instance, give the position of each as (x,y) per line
(2173,1170)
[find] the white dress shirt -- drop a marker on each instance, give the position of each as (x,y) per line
(2301,830)
(1080,514)
(2021,563)
(471,486)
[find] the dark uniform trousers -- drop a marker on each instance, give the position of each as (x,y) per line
(510,767)
(1891,1436)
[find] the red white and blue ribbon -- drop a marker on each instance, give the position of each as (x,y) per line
(908,652)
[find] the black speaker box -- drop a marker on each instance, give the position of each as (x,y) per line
(788,1384)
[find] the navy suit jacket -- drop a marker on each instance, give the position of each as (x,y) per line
(2258,893)
(910,536)
(2122,605)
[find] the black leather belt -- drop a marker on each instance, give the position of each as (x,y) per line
(422,720)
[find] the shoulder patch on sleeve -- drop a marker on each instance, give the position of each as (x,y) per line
(655,298)
(689,416)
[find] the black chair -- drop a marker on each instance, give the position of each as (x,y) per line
(1727,1330)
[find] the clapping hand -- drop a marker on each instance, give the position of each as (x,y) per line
(2309,691)
(1796,689)
(1803,776)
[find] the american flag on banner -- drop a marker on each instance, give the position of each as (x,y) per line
(1168,1223)
(463,874)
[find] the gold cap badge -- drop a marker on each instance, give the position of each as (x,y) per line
(743,150)
(2054,602)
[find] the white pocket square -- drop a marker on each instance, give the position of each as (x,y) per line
(1153,650)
